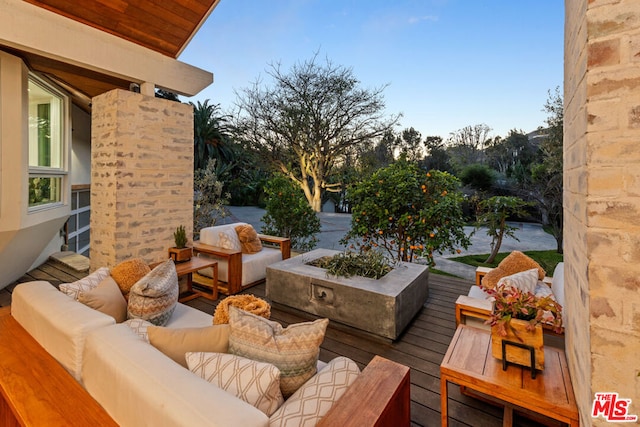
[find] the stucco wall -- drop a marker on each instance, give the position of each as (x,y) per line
(80,146)
(142,176)
(602,199)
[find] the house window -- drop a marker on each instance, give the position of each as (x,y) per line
(47,145)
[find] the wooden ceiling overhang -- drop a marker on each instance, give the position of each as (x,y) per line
(92,47)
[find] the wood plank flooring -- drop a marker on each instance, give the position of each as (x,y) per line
(421,347)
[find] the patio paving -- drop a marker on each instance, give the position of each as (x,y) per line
(531,237)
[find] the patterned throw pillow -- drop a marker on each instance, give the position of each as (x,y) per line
(526,281)
(294,350)
(254,382)
(139,327)
(154,297)
(106,298)
(175,343)
(249,239)
(313,400)
(127,273)
(85,284)
(228,239)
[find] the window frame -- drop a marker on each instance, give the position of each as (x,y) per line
(61,172)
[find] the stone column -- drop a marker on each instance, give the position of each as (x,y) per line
(602,199)
(141,176)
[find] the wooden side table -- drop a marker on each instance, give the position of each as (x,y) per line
(469,363)
(187,268)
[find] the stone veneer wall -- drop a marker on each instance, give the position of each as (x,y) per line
(142,176)
(602,199)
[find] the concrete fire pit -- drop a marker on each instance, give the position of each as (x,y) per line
(383,307)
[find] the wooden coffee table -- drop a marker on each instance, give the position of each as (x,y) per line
(469,363)
(187,268)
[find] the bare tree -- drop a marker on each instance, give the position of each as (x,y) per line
(309,119)
(467,144)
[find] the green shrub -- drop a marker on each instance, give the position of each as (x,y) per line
(208,200)
(479,177)
(371,264)
(289,214)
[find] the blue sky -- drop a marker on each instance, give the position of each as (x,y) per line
(448,63)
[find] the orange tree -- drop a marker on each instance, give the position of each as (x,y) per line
(407,212)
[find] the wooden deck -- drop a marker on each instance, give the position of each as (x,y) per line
(421,347)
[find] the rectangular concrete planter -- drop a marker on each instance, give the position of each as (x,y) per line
(383,307)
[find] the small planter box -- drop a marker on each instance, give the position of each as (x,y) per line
(517,333)
(180,255)
(382,307)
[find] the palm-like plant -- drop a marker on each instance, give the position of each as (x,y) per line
(210,135)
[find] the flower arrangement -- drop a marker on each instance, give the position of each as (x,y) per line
(512,303)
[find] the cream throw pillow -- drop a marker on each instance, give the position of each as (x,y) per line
(175,343)
(294,350)
(526,281)
(313,400)
(254,382)
(106,298)
(85,284)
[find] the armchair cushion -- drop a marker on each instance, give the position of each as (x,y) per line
(228,239)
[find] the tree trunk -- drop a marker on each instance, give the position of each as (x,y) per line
(497,243)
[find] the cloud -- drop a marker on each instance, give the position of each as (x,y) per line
(417,19)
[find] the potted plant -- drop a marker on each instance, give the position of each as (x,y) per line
(517,318)
(180,253)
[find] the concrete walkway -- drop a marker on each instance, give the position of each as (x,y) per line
(334,226)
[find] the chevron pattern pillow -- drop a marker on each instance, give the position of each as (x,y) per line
(85,284)
(154,297)
(254,382)
(313,400)
(293,350)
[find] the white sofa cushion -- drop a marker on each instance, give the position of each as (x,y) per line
(58,322)
(139,386)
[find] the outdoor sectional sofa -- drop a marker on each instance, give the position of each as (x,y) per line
(139,385)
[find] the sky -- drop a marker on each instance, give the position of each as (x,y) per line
(447,63)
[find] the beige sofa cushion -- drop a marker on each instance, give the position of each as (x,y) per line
(58,322)
(139,386)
